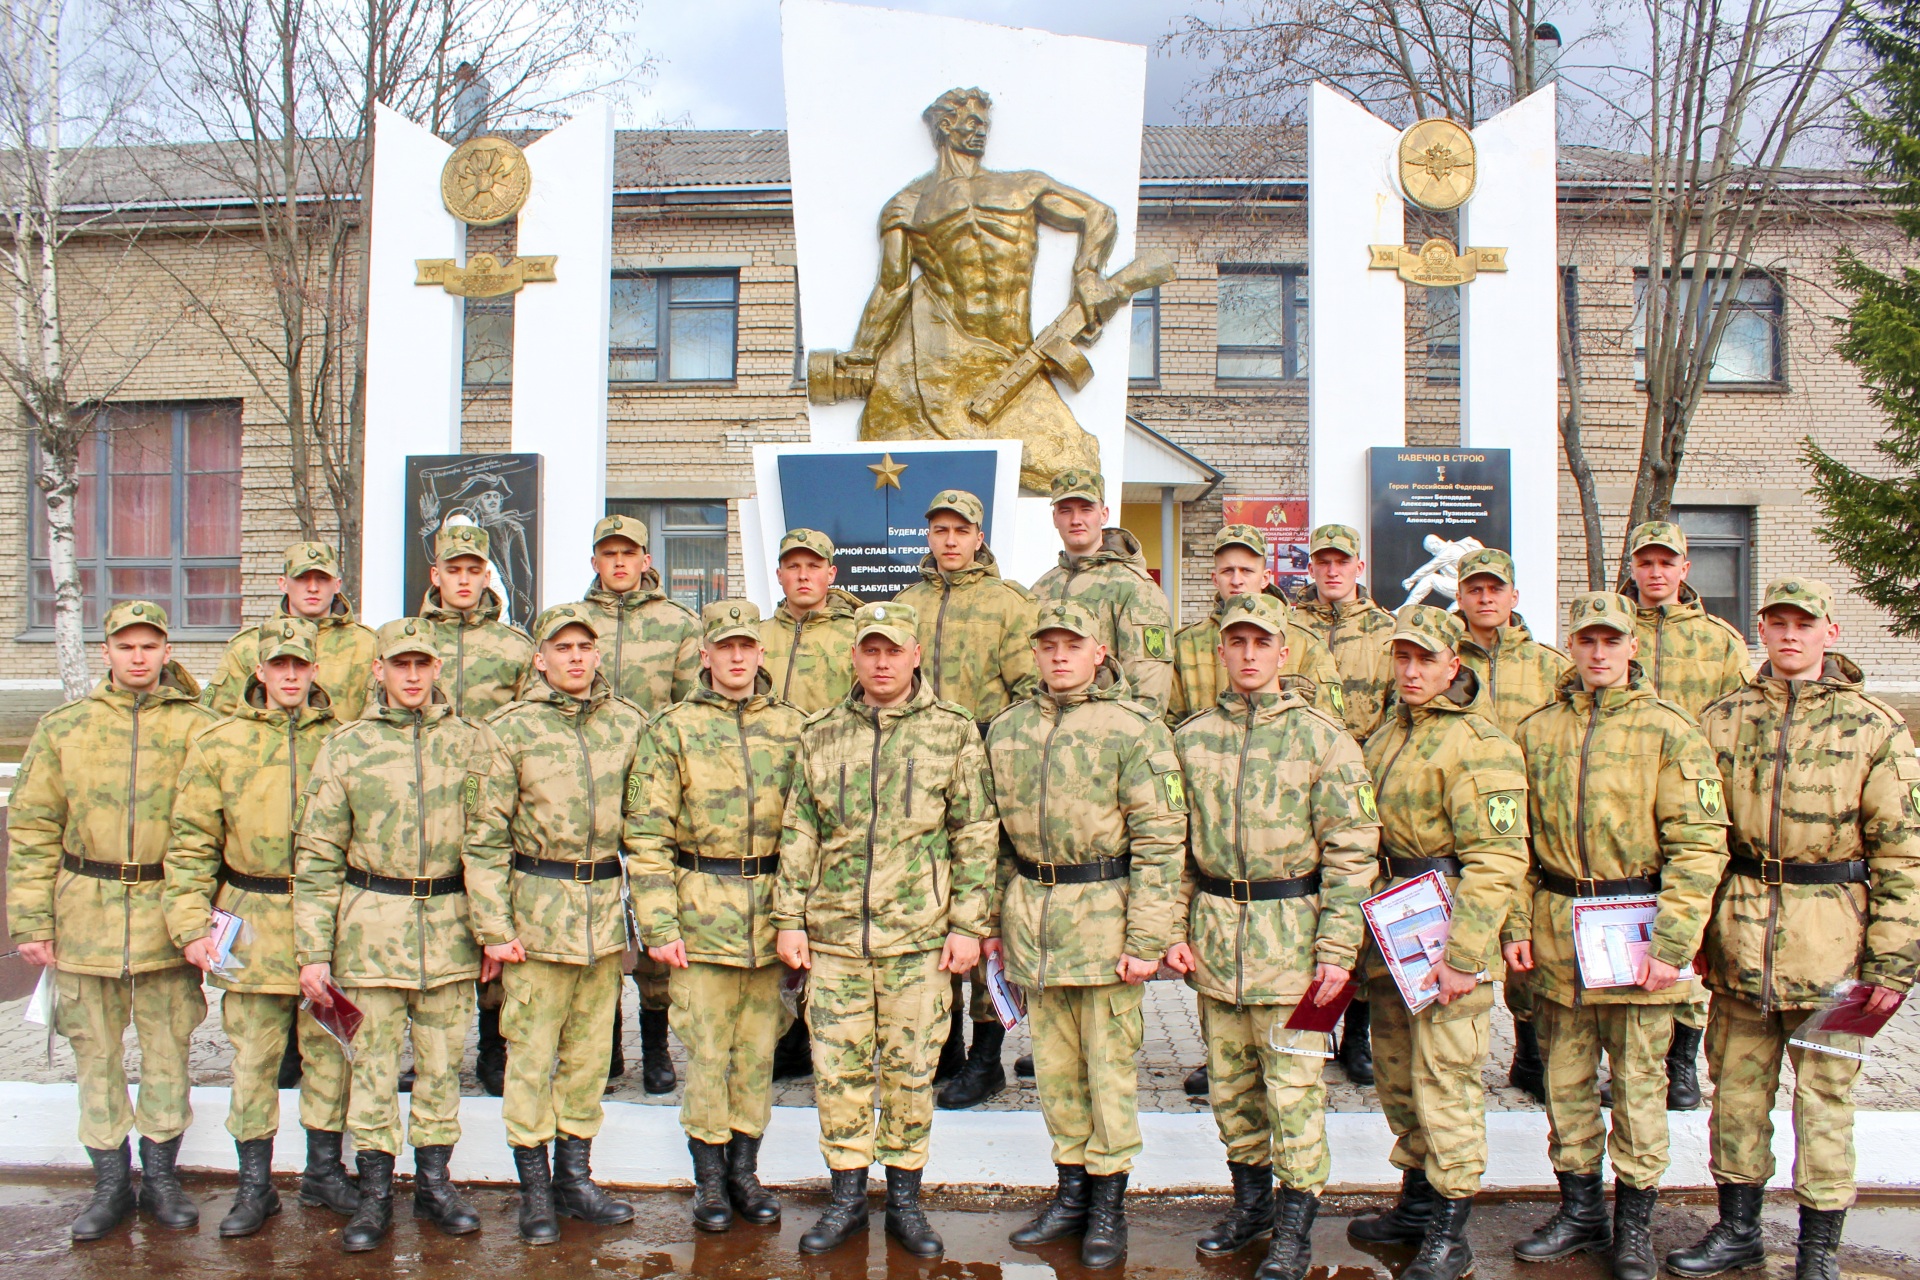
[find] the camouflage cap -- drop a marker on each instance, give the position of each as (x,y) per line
(1600,609)
(1335,537)
(305,557)
(1489,560)
(961,503)
(289,638)
(405,635)
(1067,615)
(899,623)
(135,613)
(1432,628)
(557,618)
(807,540)
(1078,482)
(634,531)
(726,619)
(1809,595)
(1261,611)
(1241,535)
(460,540)
(1658,533)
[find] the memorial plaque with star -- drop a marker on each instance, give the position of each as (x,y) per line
(873,506)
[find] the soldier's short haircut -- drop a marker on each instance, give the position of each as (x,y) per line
(948,104)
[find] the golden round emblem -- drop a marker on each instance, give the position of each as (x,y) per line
(485,181)
(1437,166)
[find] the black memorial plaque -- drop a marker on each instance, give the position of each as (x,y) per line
(500,492)
(1427,508)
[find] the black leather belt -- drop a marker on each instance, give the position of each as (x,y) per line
(404,887)
(1568,887)
(1259,890)
(567,868)
(744,868)
(281,885)
(1774,871)
(124,872)
(1052,873)
(1408,867)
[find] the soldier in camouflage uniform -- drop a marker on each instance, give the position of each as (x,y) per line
(545,883)
(1623,797)
(1823,888)
(886,886)
(310,589)
(1283,838)
(1452,794)
(1101,568)
(232,849)
(1518,676)
(88,829)
(1093,811)
(380,908)
(703,842)
(1336,607)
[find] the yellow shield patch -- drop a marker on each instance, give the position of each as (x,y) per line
(633,792)
(1154,641)
(1502,812)
(1176,792)
(471,792)
(1710,799)
(1339,699)
(1367,806)
(1913,794)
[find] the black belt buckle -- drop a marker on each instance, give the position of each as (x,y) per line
(421,887)
(583,872)
(129,873)
(1586,887)
(1240,890)
(749,868)
(1773,871)
(1048,876)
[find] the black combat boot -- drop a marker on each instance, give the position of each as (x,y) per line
(1818,1257)
(793,1053)
(846,1213)
(906,1220)
(1197,1084)
(162,1198)
(288,1077)
(1406,1222)
(1444,1251)
(254,1200)
(575,1194)
(982,1076)
(750,1200)
(1683,1069)
(1023,1066)
(1356,1043)
(1633,1232)
(435,1198)
(1064,1215)
(1291,1254)
(374,1217)
(953,1054)
(712,1210)
(490,1059)
(1251,1215)
(1527,1074)
(656,1060)
(1730,1244)
(112,1192)
(617,1057)
(1579,1223)
(1104,1243)
(324,1183)
(538,1223)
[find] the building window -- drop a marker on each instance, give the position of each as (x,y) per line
(167,526)
(1262,323)
(1144,355)
(674,328)
(489,338)
(1750,351)
(688,541)
(1443,334)
(1720,545)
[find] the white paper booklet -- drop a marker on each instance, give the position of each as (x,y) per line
(1611,937)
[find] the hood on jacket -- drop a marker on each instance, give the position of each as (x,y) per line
(338,613)
(648,588)
(1837,672)
(539,689)
(254,704)
(984,565)
(705,692)
(1310,595)
(1688,597)
(487,609)
(1109,685)
(1638,683)
(175,682)
(840,603)
(438,705)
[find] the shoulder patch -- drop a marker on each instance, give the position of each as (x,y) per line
(1153,639)
(1364,791)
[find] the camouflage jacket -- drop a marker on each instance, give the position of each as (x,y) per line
(98,782)
(811,659)
(235,806)
(1078,778)
(649,644)
(1518,677)
(1690,656)
(392,793)
(716,781)
(1449,784)
(1816,771)
(484,661)
(976,635)
(890,834)
(1114,586)
(555,789)
(1356,632)
(1277,790)
(346,664)
(1619,784)
(1199,676)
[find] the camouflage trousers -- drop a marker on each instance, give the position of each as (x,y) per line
(1270,1106)
(1635,1038)
(92,1013)
(1086,1049)
(557,1020)
(258,1024)
(650,977)
(1518,995)
(979,1003)
(439,1017)
(1427,1070)
(729,1018)
(1744,1048)
(876,1022)
(1694,1012)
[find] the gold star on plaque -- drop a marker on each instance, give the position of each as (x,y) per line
(886,472)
